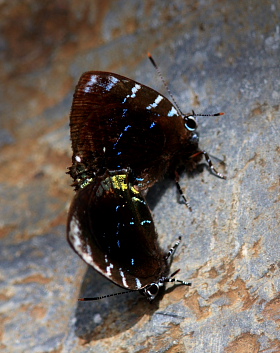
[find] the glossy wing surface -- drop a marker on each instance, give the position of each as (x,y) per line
(118,123)
(110,226)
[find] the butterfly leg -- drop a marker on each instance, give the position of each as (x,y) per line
(173,249)
(182,196)
(209,162)
(172,279)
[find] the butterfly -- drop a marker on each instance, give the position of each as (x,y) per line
(125,137)
(119,123)
(111,227)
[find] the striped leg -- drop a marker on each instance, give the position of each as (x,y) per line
(172,279)
(182,196)
(173,249)
(208,160)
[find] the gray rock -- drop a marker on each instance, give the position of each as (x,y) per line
(215,56)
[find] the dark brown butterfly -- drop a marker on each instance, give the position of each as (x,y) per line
(111,227)
(118,123)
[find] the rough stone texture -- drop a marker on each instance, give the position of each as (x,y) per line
(216,56)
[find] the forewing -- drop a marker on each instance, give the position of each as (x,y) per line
(117,123)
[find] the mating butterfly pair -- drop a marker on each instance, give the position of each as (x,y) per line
(125,137)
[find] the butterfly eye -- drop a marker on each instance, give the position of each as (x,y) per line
(190,123)
(151,291)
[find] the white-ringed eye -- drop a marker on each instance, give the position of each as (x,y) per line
(190,122)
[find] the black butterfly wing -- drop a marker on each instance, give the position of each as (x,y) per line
(110,226)
(118,123)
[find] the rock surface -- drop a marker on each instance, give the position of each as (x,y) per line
(216,56)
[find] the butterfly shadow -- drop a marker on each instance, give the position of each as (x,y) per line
(109,316)
(156,192)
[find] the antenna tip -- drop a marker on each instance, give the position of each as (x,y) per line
(218,114)
(152,60)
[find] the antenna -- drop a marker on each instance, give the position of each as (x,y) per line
(103,296)
(170,93)
(216,114)
(164,83)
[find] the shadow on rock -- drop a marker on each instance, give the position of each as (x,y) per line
(110,316)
